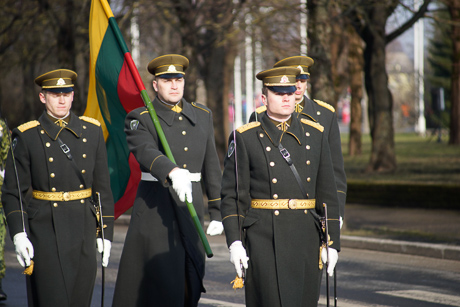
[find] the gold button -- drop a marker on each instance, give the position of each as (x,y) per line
(292,204)
(52,175)
(84,127)
(308,147)
(274,180)
(308,162)
(55,204)
(51,159)
(277,212)
(261,135)
(307,134)
(308,195)
(53,189)
(66,196)
(272,163)
(84,156)
(305,211)
(318,113)
(81,186)
(275,196)
(268,148)
(185,148)
(184,166)
(180,117)
(84,140)
(48,144)
(82,201)
(308,179)
(184,132)
(42,131)
(83,171)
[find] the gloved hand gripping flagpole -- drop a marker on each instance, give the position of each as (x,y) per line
(140,85)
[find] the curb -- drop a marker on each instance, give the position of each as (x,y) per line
(439,251)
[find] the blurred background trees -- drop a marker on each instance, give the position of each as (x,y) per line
(361,67)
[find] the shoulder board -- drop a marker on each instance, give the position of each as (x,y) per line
(312,123)
(28,125)
(90,120)
(261,109)
(248,126)
(325,105)
(199,107)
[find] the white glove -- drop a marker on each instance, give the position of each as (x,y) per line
(215,228)
(333,257)
(181,183)
(341,222)
(24,249)
(238,257)
(104,246)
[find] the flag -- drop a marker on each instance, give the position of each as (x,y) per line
(114,90)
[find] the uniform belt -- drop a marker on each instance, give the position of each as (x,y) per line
(196,177)
(62,196)
(283,203)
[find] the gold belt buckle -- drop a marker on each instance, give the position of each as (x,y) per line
(292,204)
(66,196)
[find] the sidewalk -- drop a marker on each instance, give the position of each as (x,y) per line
(422,232)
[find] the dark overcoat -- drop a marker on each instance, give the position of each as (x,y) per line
(282,245)
(63,233)
(323,113)
(163,257)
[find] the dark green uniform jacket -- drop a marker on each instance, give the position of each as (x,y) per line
(63,233)
(162,252)
(324,114)
(282,245)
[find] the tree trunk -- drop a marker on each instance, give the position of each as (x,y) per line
(383,157)
(355,64)
(215,84)
(319,33)
(454,139)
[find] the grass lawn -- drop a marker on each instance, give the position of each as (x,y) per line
(420,160)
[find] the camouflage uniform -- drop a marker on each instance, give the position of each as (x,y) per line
(4,147)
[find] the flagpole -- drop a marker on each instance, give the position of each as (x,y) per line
(156,122)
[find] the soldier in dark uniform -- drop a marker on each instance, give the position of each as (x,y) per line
(163,260)
(268,214)
(324,114)
(57,227)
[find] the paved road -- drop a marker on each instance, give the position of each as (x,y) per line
(368,277)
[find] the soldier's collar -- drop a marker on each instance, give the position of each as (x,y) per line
(54,130)
(307,108)
(276,135)
(168,115)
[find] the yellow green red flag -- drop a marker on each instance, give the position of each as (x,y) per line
(114,90)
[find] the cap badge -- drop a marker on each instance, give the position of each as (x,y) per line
(60,82)
(302,72)
(284,79)
(172,68)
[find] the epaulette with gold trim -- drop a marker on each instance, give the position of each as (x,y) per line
(194,104)
(312,123)
(261,109)
(28,125)
(90,120)
(325,105)
(248,126)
